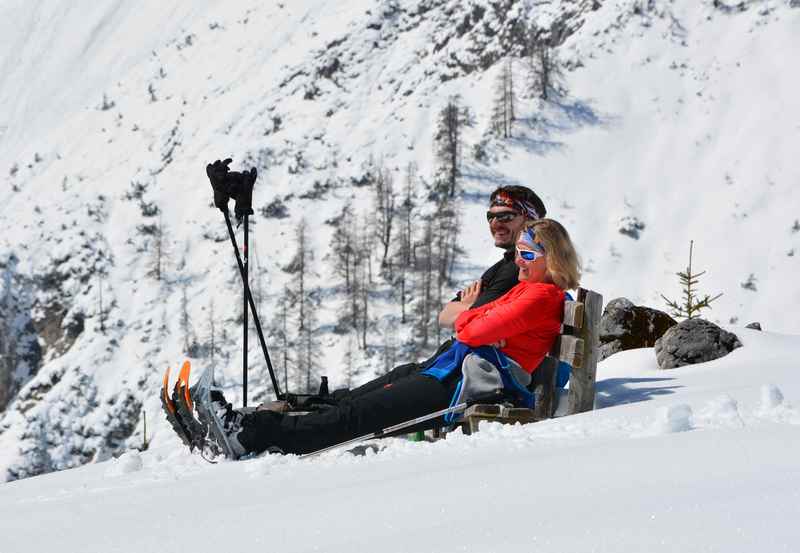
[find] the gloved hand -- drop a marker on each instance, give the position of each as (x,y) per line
(218,175)
(244,192)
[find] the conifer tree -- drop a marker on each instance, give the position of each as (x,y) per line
(691,304)
(159,250)
(449,142)
(546,76)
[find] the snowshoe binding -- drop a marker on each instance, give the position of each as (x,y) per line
(222,421)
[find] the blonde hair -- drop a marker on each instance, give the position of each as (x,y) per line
(562,260)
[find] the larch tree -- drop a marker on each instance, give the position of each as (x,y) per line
(503,108)
(385,211)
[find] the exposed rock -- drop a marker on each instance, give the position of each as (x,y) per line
(627,326)
(754,326)
(694,341)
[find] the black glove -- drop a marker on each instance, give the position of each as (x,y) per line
(218,175)
(243,192)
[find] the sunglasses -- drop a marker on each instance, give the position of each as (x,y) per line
(501,216)
(530,256)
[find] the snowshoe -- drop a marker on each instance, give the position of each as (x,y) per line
(179,409)
(223,422)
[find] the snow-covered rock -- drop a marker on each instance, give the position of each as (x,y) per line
(694,341)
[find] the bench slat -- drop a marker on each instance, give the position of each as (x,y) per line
(573,314)
(569,349)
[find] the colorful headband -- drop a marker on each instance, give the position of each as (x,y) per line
(528,237)
(520,206)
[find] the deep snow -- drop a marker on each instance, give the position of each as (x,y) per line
(699,458)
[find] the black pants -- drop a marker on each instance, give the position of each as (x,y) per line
(369,410)
(399,372)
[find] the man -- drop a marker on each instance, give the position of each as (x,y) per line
(509,208)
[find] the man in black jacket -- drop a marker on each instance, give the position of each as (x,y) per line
(509,208)
(403,393)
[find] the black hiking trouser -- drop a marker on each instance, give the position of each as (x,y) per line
(368,411)
(401,371)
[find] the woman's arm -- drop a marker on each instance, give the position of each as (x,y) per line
(501,320)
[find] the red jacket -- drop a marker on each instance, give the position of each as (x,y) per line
(527,317)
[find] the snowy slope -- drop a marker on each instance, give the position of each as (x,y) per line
(681,115)
(700,458)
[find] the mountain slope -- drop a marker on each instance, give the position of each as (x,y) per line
(678,122)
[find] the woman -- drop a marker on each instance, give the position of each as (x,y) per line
(523,323)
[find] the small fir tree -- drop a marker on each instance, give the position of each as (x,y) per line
(692,304)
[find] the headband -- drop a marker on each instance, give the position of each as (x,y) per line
(520,206)
(527,237)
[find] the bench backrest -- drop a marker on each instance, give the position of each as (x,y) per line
(578,346)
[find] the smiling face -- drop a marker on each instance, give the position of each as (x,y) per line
(531,270)
(505,228)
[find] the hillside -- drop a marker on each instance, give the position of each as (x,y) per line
(678,122)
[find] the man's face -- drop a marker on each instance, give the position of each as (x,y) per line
(505,232)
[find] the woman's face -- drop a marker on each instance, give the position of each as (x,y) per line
(531,261)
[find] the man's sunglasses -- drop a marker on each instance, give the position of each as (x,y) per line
(528,255)
(501,216)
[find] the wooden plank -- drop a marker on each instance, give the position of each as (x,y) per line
(582,377)
(573,314)
(544,389)
(571,349)
(484,410)
(496,413)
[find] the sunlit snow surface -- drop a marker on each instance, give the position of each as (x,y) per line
(700,458)
(685,118)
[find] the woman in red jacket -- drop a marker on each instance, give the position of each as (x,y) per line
(498,346)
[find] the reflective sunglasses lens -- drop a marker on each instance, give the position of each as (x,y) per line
(502,217)
(527,256)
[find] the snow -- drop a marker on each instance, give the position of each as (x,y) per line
(680,124)
(698,458)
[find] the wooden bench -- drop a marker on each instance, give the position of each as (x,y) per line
(577,345)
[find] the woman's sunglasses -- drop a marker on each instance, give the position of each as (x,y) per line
(529,256)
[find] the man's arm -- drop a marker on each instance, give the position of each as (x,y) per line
(498,280)
(465,299)
(450,312)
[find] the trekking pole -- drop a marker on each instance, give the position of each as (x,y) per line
(246,279)
(249,300)
(391,429)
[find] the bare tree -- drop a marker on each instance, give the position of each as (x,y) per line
(503,110)
(310,351)
(185,321)
(385,211)
(351,371)
(425,271)
(298,266)
(405,237)
(212,330)
(280,331)
(343,247)
(366,239)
